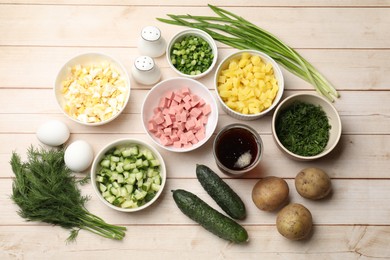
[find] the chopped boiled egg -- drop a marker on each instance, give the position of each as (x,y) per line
(94,93)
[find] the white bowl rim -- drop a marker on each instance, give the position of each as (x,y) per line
(213,106)
(280,83)
(118,142)
(300,157)
(202,34)
(118,64)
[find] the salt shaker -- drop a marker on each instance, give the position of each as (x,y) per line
(145,71)
(151,43)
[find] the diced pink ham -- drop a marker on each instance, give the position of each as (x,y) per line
(179,119)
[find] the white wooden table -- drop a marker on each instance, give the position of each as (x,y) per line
(348,41)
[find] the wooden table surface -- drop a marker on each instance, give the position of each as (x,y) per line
(348,41)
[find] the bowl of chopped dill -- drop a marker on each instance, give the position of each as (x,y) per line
(306,126)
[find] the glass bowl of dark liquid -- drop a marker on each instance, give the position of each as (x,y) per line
(237,149)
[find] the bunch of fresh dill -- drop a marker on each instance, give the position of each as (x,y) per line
(45,190)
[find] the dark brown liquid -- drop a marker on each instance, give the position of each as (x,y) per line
(232,144)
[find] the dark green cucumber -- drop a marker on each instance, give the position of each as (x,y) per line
(221,192)
(212,220)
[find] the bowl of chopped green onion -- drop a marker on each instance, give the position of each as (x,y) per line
(128,175)
(192,53)
(306,126)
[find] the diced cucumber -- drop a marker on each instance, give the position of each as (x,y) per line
(146,185)
(102,187)
(138,163)
(105,163)
(128,204)
(145,163)
(131,179)
(120,179)
(99,178)
(129,166)
(114,158)
(129,188)
(114,191)
(139,176)
(155,187)
(157,179)
(129,176)
(123,192)
(139,194)
(154,163)
(110,199)
(119,168)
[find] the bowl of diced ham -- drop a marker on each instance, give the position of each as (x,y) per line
(179,114)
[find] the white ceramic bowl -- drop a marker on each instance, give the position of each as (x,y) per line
(333,118)
(278,75)
(86,60)
(152,100)
(119,143)
(180,35)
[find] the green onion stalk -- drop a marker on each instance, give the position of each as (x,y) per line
(237,32)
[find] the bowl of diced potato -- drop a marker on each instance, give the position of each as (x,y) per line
(92,88)
(249,84)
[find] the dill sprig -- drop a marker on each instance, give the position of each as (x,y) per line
(45,190)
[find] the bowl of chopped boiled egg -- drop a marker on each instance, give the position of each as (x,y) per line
(92,89)
(249,84)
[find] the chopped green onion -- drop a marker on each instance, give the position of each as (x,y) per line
(194,53)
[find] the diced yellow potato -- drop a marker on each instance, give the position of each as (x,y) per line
(246,55)
(255,60)
(243,62)
(221,79)
(248,85)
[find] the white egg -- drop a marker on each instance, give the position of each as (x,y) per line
(53,133)
(78,156)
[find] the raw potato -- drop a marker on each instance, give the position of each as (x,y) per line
(294,221)
(270,193)
(313,183)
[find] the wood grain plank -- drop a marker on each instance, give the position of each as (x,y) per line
(353,202)
(129,123)
(42,101)
(193,242)
(356,156)
(249,3)
(58,25)
(346,69)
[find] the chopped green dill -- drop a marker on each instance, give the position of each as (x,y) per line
(303,129)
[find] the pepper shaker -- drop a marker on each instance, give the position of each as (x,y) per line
(151,43)
(145,71)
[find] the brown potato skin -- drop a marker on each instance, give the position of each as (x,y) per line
(313,183)
(270,193)
(294,221)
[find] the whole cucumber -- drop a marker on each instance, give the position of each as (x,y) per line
(221,192)
(212,220)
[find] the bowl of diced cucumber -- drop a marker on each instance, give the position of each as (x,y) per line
(128,175)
